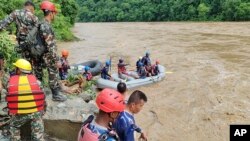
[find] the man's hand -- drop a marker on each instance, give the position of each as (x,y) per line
(143,137)
(58,64)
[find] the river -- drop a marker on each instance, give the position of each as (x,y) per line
(208,73)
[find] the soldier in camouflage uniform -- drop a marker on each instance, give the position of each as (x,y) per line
(31,102)
(25,20)
(4,117)
(51,58)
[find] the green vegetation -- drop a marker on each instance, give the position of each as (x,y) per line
(7,47)
(163,10)
(65,19)
(89,88)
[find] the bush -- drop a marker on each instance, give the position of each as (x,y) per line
(65,18)
(7,47)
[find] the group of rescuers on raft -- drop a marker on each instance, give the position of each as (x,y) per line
(25,97)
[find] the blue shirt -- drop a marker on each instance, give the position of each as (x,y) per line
(125,126)
(146,61)
(104,73)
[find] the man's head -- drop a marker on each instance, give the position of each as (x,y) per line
(107,63)
(121,87)
(65,53)
(49,9)
(121,60)
(22,66)
(1,60)
(136,101)
(29,5)
(111,103)
(87,68)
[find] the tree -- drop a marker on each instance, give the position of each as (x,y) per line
(243,11)
(203,11)
(69,8)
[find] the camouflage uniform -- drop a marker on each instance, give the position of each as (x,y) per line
(37,128)
(4,117)
(50,59)
(36,122)
(25,20)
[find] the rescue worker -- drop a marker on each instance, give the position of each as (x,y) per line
(142,71)
(63,70)
(137,63)
(87,74)
(4,77)
(123,73)
(147,62)
(4,117)
(125,123)
(50,58)
(110,104)
(155,68)
(25,102)
(105,70)
(25,20)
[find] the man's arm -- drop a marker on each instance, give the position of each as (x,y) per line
(7,21)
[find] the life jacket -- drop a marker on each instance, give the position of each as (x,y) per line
(88,75)
(142,72)
(155,69)
(122,69)
(104,73)
(24,95)
(146,61)
(137,64)
(86,134)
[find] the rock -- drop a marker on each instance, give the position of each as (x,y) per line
(86,97)
(72,109)
(61,105)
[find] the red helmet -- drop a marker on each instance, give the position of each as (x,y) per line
(47,5)
(65,53)
(109,100)
(157,62)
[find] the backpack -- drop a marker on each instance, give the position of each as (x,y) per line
(35,42)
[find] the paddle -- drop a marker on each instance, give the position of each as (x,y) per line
(110,59)
(169,72)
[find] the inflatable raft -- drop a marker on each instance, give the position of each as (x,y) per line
(132,83)
(95,67)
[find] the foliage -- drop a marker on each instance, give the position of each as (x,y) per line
(7,47)
(89,88)
(69,9)
(65,19)
(163,10)
(71,77)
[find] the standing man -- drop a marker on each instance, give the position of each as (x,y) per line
(25,102)
(25,20)
(50,58)
(125,123)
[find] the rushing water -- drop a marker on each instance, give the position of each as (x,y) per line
(208,88)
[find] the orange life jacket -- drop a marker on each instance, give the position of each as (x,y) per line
(24,95)
(122,69)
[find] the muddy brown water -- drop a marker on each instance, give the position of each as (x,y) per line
(208,88)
